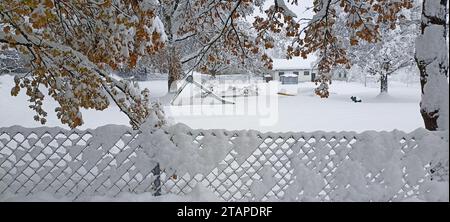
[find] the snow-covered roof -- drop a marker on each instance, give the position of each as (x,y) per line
(294,63)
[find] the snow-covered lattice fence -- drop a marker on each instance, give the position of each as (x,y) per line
(235,165)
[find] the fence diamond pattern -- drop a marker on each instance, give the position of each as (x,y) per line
(105,161)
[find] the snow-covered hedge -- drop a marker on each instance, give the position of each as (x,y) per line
(236,165)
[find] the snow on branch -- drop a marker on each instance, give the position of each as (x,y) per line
(72,46)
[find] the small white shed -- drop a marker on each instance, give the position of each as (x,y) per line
(285,70)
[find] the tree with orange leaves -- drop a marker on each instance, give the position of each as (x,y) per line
(319,35)
(71,45)
(364,18)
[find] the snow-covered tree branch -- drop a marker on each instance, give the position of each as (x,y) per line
(71,45)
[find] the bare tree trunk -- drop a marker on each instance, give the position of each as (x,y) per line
(174,61)
(432,60)
(175,70)
(383,84)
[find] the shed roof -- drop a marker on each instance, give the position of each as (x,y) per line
(294,63)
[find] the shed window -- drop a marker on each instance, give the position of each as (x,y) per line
(306,73)
(295,73)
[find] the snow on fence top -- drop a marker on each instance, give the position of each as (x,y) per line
(235,165)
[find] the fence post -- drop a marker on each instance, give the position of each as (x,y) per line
(157,182)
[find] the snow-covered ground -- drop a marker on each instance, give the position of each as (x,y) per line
(302,112)
(198,194)
(297,110)
(15,111)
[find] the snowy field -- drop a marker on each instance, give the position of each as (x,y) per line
(301,112)
(307,112)
(297,110)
